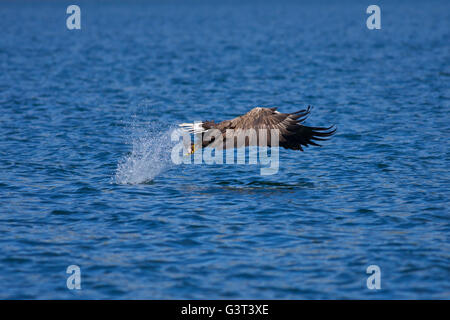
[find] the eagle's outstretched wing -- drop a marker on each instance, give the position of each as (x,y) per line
(292,133)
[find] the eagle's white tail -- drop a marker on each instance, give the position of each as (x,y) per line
(195,127)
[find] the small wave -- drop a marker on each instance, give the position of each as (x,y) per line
(150,154)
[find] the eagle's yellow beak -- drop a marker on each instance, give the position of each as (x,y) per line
(192,150)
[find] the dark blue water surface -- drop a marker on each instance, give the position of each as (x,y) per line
(86,177)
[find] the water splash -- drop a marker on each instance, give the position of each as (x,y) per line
(150,154)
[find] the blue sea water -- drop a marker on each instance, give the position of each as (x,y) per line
(85,171)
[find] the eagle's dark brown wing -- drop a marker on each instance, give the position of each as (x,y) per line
(292,134)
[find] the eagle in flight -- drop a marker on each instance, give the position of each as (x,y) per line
(292,134)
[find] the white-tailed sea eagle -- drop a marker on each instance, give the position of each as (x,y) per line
(292,134)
